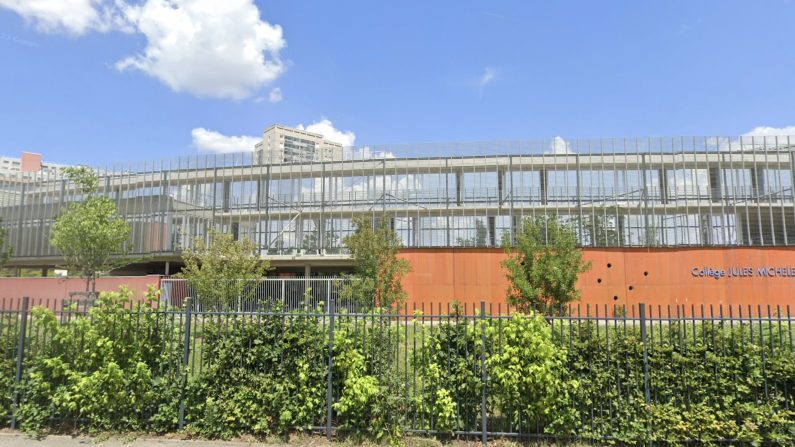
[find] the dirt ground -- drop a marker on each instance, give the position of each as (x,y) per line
(17,439)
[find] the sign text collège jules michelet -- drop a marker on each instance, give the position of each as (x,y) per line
(743,272)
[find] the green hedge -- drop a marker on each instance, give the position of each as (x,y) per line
(120,368)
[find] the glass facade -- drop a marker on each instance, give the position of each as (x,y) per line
(618,192)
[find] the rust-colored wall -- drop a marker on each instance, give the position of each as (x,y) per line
(40,290)
(30,162)
(472,275)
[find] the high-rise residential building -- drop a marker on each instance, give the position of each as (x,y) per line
(28,164)
(282,144)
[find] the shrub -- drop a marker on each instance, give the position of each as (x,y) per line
(450,368)
(372,402)
(97,369)
(262,375)
(529,380)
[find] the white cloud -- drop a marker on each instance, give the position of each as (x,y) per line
(758,138)
(209,48)
(559,146)
(275,95)
(70,16)
(766,131)
(326,128)
(365,153)
(212,141)
(489,74)
(206,47)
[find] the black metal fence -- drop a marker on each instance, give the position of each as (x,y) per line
(651,374)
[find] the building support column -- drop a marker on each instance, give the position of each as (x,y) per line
(543,178)
(307,270)
(662,178)
(758,182)
(415,231)
(227,195)
(705,228)
(459,187)
(500,186)
(715,185)
(491,226)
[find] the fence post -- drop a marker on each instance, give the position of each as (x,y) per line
(483,373)
(23,325)
(185,357)
(330,368)
(642,309)
(328,292)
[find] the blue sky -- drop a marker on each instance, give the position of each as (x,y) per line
(98,81)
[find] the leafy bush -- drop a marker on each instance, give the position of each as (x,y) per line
(529,380)
(97,369)
(706,382)
(372,402)
(450,366)
(119,368)
(8,339)
(263,375)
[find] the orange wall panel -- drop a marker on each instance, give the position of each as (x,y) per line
(658,276)
(40,290)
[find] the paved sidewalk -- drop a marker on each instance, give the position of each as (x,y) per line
(20,440)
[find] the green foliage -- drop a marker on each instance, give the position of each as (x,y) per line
(450,366)
(543,267)
(379,271)
(8,338)
(529,378)
(706,383)
(263,375)
(5,248)
(372,404)
(479,239)
(90,234)
(226,269)
(105,369)
(119,368)
(599,229)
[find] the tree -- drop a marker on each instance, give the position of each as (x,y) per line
(90,234)
(598,230)
(224,269)
(543,267)
(378,270)
(479,239)
(5,250)
(310,242)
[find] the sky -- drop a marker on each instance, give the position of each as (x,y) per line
(108,81)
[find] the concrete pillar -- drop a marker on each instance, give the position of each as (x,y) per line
(500,186)
(758,181)
(662,177)
(227,194)
(543,178)
(491,225)
(45,271)
(299,233)
(415,231)
(459,187)
(307,270)
(706,230)
(715,184)
(167,269)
